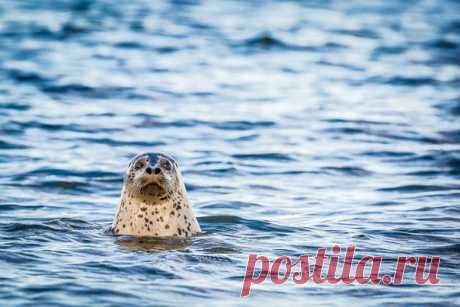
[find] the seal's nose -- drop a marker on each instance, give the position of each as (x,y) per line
(148,170)
(157,170)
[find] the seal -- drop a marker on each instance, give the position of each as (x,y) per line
(154,201)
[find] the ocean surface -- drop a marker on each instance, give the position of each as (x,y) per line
(297,125)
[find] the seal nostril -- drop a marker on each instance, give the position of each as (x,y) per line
(157,170)
(148,170)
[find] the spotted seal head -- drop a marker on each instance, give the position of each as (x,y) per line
(154,201)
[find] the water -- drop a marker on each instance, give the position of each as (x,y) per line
(297,124)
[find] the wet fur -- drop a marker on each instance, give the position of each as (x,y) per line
(154,209)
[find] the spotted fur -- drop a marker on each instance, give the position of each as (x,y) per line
(154,204)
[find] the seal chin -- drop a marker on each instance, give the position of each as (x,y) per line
(152,189)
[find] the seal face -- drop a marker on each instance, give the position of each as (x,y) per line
(154,201)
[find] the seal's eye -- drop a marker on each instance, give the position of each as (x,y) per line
(166,165)
(138,165)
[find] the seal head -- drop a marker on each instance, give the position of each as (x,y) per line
(154,201)
(152,177)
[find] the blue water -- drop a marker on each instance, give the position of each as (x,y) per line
(297,124)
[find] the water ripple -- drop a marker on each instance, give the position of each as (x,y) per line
(297,125)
